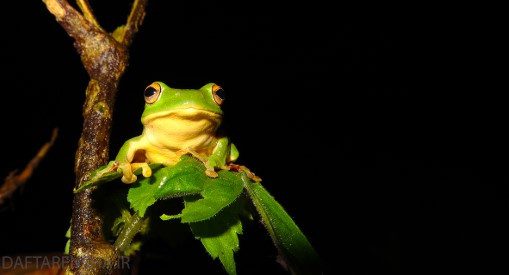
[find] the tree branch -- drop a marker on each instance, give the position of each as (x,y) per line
(124,34)
(70,19)
(105,57)
(14,180)
(87,11)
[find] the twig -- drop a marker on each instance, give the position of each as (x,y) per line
(130,229)
(124,34)
(105,58)
(87,11)
(14,180)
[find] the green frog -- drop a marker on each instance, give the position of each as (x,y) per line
(177,122)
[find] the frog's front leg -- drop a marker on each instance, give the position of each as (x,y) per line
(131,157)
(223,156)
(223,152)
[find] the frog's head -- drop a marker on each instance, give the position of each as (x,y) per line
(161,101)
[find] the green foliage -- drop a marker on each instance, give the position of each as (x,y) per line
(120,221)
(141,195)
(217,194)
(68,242)
(219,235)
(212,209)
(286,235)
(133,248)
(185,178)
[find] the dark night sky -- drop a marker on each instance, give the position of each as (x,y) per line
(368,115)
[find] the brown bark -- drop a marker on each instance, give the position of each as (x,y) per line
(105,58)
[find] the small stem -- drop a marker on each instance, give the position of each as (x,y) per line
(124,34)
(87,12)
(128,232)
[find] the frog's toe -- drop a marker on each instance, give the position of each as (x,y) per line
(211,173)
(127,172)
(242,168)
(129,180)
(254,177)
(145,169)
(210,169)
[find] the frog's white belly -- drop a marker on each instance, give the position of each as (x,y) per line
(166,138)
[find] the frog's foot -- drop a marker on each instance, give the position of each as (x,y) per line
(127,172)
(210,171)
(242,168)
(145,169)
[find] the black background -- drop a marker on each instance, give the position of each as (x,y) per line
(366,121)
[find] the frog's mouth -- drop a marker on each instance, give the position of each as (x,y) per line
(190,113)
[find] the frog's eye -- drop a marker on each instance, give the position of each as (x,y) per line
(218,94)
(152,93)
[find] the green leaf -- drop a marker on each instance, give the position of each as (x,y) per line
(217,194)
(104,174)
(296,250)
(141,195)
(68,242)
(67,247)
(219,234)
(165,217)
(133,248)
(124,218)
(185,178)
